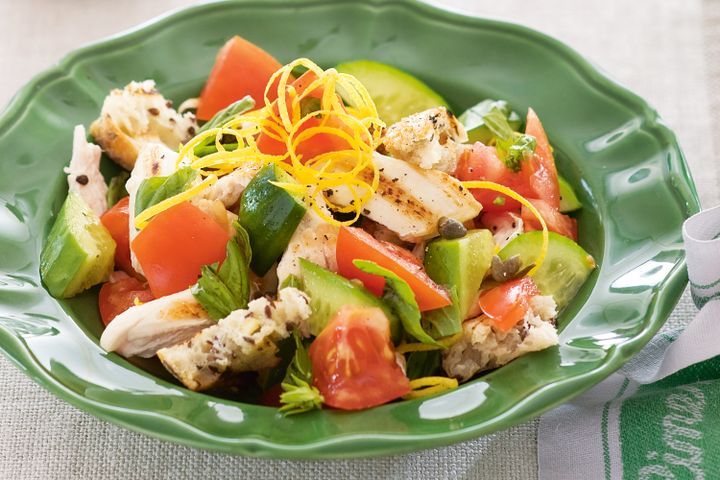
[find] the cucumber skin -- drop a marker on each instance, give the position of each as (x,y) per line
(568,199)
(367,71)
(270,215)
(66,265)
(562,252)
(321,285)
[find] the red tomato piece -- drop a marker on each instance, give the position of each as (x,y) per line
(353,361)
(482,163)
(116,297)
(241,68)
(174,246)
(117,221)
(355,243)
(543,173)
(508,303)
(556,221)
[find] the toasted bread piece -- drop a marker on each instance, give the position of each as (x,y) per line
(138,115)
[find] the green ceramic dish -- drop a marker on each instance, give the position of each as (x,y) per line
(624,162)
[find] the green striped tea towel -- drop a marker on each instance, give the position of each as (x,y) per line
(659,416)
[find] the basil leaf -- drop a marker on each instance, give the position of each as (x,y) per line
(400,298)
(472,119)
(154,190)
(445,321)
(226,114)
(423,364)
(498,125)
(116,188)
(512,147)
(222,290)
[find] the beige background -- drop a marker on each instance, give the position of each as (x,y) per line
(668,51)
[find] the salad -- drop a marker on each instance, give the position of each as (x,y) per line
(315,237)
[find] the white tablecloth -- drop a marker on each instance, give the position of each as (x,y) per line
(668,51)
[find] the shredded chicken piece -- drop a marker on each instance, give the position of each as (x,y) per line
(144,329)
(84,177)
(243,341)
(138,115)
(429,139)
(229,188)
(313,240)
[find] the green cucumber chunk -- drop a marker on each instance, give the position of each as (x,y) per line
(396,94)
(568,200)
(460,264)
(79,251)
(329,292)
(473,119)
(270,216)
(565,269)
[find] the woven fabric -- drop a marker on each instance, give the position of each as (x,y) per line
(661,49)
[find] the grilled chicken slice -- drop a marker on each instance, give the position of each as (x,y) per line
(482,347)
(243,341)
(314,240)
(410,200)
(84,177)
(229,188)
(429,139)
(153,160)
(138,115)
(144,329)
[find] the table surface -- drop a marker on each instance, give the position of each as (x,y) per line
(668,51)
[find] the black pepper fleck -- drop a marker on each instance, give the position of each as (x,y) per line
(82,179)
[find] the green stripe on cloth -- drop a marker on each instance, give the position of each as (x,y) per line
(604,428)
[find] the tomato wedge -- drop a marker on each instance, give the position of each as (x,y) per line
(117,296)
(355,243)
(482,163)
(556,221)
(312,146)
(353,361)
(508,303)
(117,221)
(241,68)
(543,177)
(174,246)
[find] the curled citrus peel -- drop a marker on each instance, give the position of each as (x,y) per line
(426,386)
(482,184)
(346,112)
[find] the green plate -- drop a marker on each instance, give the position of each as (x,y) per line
(623,161)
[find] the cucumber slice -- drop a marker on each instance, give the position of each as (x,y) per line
(396,94)
(330,292)
(270,215)
(79,251)
(568,200)
(565,269)
(473,119)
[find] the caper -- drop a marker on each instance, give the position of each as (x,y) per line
(504,270)
(451,228)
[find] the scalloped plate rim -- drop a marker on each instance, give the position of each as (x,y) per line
(665,296)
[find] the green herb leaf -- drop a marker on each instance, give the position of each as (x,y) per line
(116,188)
(222,290)
(512,147)
(226,114)
(423,364)
(472,119)
(516,149)
(400,298)
(299,395)
(154,190)
(445,321)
